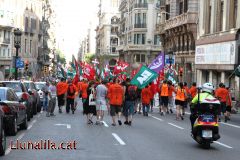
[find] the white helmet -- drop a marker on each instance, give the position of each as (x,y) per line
(207,87)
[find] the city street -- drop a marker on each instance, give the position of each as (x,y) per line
(153,137)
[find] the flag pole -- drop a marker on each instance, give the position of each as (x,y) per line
(233,72)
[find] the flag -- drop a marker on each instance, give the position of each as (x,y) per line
(237,71)
(144,77)
(158,63)
(89,72)
(120,67)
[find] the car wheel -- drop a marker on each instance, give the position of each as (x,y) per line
(39,107)
(24,125)
(28,114)
(34,108)
(3,143)
(13,126)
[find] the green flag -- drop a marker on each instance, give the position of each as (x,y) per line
(144,77)
(237,71)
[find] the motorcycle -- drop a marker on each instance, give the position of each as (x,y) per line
(206,127)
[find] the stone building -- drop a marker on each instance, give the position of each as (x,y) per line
(178,31)
(218,42)
(139,40)
(106,32)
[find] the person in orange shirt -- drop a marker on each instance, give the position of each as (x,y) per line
(193,90)
(164,97)
(170,96)
(179,101)
(116,94)
(146,99)
(229,105)
(151,96)
(222,93)
(187,100)
(61,90)
(71,92)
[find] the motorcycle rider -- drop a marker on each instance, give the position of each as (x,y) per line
(207,93)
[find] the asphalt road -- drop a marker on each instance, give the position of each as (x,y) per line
(149,138)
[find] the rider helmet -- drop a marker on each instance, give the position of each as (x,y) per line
(207,87)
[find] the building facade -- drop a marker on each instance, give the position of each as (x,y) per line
(218,42)
(139,40)
(106,32)
(178,31)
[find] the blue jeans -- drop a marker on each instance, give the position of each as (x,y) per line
(128,108)
(45,103)
(145,108)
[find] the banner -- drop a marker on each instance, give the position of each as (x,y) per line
(144,77)
(158,63)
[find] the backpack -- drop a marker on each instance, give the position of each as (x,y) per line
(132,93)
(71,90)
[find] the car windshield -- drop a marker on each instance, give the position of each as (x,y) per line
(15,86)
(29,85)
(2,95)
(39,86)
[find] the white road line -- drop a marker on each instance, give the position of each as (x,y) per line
(30,126)
(38,115)
(118,139)
(68,126)
(175,126)
(8,151)
(232,125)
(105,124)
(156,118)
(224,145)
(21,136)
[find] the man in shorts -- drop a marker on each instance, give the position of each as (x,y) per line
(116,94)
(101,103)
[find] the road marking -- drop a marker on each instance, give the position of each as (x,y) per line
(105,124)
(30,126)
(224,145)
(120,141)
(8,151)
(21,136)
(175,126)
(67,125)
(232,125)
(156,118)
(38,115)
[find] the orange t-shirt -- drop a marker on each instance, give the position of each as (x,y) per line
(84,90)
(116,94)
(193,91)
(146,96)
(164,90)
(61,88)
(222,94)
(180,95)
(74,88)
(170,91)
(79,86)
(151,92)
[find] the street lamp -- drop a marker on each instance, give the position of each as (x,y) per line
(170,54)
(17,44)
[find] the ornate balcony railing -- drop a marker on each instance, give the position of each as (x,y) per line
(141,5)
(186,18)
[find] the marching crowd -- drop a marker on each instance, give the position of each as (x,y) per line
(120,97)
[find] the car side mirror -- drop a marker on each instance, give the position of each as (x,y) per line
(30,92)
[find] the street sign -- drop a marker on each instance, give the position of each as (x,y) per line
(167,60)
(12,70)
(19,63)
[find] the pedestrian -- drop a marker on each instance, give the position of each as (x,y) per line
(45,96)
(61,90)
(170,96)
(71,92)
(90,102)
(187,98)
(193,90)
(164,97)
(138,104)
(151,89)
(222,93)
(146,100)
(229,105)
(101,102)
(52,101)
(130,98)
(180,99)
(116,94)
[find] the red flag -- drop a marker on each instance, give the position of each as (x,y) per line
(89,72)
(76,79)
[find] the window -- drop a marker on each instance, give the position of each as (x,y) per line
(140,20)
(180,8)
(156,40)
(3,52)
(114,3)
(4,34)
(235,13)
(30,46)
(113,49)
(139,39)
(140,58)
(209,19)
(185,6)
(168,11)
(25,44)
(8,52)
(221,17)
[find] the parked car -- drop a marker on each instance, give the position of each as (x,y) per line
(3,143)
(22,93)
(33,91)
(15,112)
(40,86)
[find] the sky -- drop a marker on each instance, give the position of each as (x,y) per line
(74,17)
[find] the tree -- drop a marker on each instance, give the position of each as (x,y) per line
(89,57)
(61,57)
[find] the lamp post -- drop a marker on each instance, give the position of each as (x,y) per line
(17,44)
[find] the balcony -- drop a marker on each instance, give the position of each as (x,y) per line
(122,5)
(186,18)
(160,28)
(141,5)
(140,25)
(6,40)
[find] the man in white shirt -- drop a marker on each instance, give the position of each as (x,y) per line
(52,101)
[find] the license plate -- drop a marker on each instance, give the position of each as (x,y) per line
(207,134)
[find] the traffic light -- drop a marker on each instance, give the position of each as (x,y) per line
(45,69)
(181,72)
(26,66)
